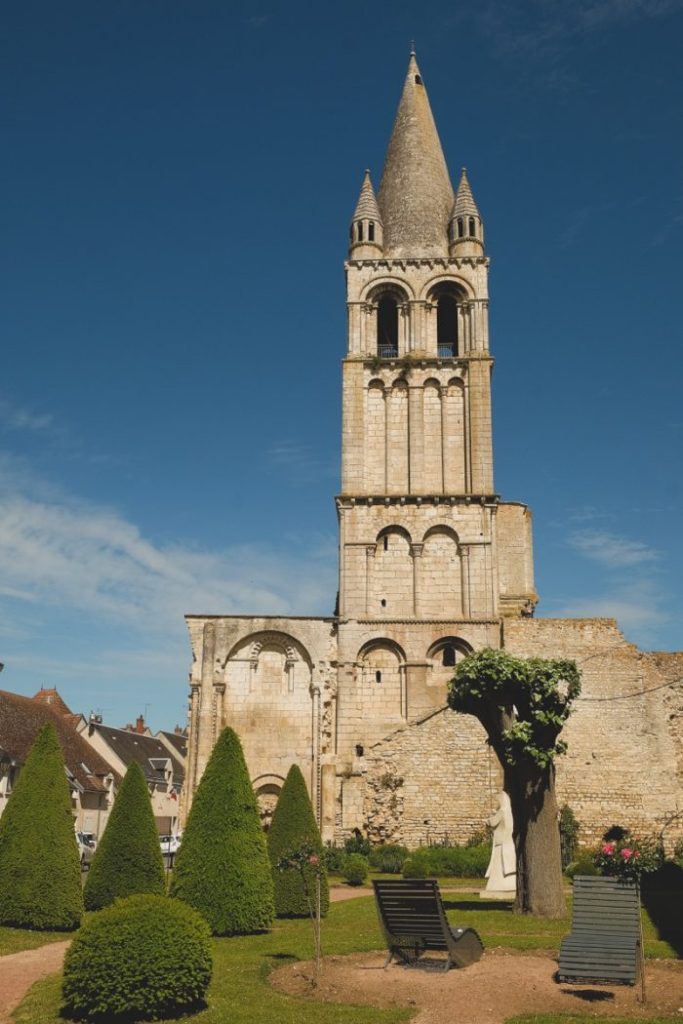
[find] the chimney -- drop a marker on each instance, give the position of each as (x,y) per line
(140,724)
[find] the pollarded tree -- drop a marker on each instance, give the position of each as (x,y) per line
(293,828)
(222,867)
(128,858)
(40,873)
(523,705)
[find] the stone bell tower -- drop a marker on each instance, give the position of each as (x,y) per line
(430,558)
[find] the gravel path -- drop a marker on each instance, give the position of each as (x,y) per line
(18,971)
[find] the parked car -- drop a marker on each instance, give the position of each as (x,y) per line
(86,849)
(169,844)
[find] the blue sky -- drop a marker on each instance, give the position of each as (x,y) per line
(178,181)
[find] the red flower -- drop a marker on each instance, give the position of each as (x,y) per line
(313,860)
(608,848)
(626,853)
(636,853)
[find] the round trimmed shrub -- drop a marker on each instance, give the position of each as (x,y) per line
(355,869)
(40,872)
(222,867)
(294,826)
(128,857)
(143,957)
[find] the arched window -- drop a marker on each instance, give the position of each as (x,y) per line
(387,326)
(473,227)
(447,298)
(371,231)
(461,228)
(448,656)
(360,231)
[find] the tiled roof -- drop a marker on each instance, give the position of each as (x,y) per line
(135,746)
(52,698)
(178,741)
(21,718)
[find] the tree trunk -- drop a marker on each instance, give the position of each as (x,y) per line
(537,839)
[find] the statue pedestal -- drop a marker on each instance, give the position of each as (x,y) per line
(497,894)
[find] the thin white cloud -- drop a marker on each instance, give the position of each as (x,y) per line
(611,550)
(15,418)
(639,606)
(545,28)
(61,553)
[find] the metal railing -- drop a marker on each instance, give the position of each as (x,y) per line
(387,351)
(447,350)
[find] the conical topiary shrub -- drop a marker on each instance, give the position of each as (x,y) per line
(293,827)
(40,873)
(128,857)
(222,867)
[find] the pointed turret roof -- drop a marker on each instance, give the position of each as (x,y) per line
(416,195)
(366,207)
(464,204)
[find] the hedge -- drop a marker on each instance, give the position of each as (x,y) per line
(222,867)
(294,826)
(144,957)
(128,857)
(438,861)
(40,872)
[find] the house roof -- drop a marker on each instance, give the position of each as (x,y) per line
(21,719)
(135,746)
(178,741)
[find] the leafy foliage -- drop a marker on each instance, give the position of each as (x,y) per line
(357,844)
(522,703)
(144,957)
(628,857)
(294,827)
(128,857)
(355,869)
(388,858)
(222,867)
(569,835)
(40,875)
(439,861)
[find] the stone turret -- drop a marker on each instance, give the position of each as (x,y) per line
(415,195)
(466,228)
(366,226)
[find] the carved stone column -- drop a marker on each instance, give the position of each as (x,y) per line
(416,552)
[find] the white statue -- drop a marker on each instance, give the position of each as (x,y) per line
(502,871)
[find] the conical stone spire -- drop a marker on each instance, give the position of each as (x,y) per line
(465,228)
(416,195)
(464,204)
(366,226)
(366,207)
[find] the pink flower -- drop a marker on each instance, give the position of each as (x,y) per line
(626,853)
(313,860)
(636,853)
(608,848)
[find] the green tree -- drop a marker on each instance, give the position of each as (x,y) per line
(293,827)
(523,705)
(40,874)
(128,857)
(222,867)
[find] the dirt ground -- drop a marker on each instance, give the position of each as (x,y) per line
(501,985)
(18,971)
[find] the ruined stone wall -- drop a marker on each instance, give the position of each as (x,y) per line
(625,759)
(431,781)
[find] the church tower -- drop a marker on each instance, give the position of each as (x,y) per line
(430,559)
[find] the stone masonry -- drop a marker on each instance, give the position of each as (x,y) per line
(433,564)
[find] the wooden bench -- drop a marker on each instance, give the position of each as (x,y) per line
(413,921)
(604,944)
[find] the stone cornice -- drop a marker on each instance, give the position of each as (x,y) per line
(445,262)
(351,500)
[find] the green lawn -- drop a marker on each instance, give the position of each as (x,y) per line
(13,940)
(240,993)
